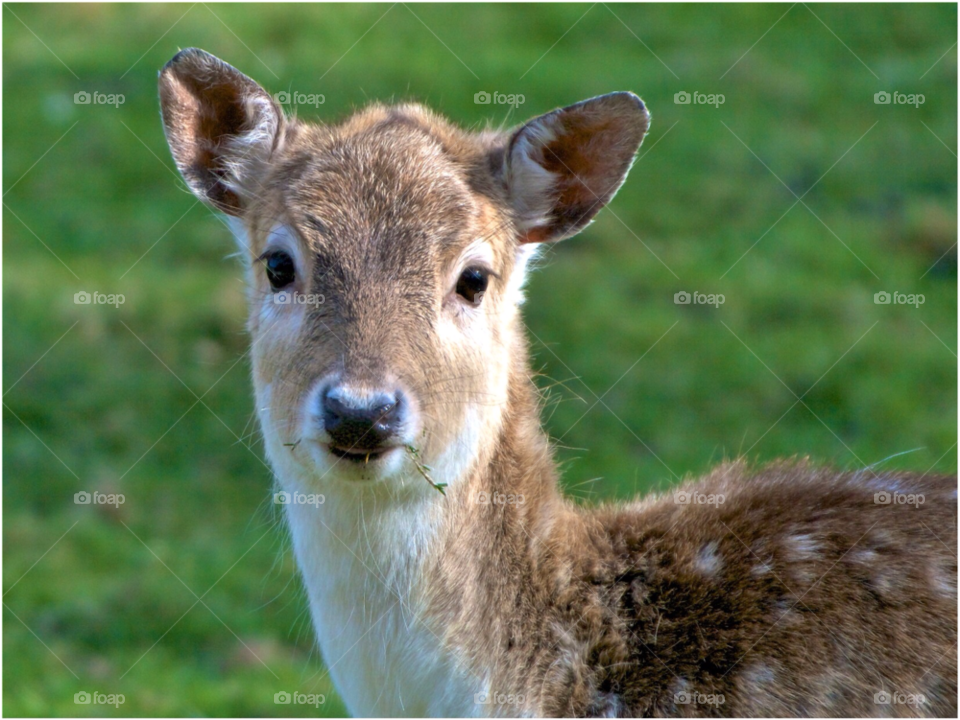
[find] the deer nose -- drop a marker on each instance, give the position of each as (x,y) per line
(361,425)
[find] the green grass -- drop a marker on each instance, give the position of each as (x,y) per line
(93,204)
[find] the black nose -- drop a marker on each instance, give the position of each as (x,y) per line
(364,426)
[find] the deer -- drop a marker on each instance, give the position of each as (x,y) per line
(385,258)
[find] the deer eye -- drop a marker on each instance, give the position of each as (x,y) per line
(280,269)
(472,284)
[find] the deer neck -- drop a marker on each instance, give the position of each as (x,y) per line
(382,567)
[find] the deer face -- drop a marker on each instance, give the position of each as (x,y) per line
(381,289)
(385,261)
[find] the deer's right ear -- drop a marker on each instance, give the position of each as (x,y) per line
(221,126)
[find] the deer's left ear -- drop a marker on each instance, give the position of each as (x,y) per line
(562,167)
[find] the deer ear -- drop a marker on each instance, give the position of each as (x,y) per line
(221,127)
(562,167)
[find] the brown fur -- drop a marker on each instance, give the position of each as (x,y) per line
(820,599)
(798,595)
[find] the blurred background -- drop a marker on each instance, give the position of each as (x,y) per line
(797,199)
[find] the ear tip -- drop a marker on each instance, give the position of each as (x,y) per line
(189,58)
(630,100)
(185,55)
(623,104)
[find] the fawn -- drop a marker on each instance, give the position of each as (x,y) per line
(386,258)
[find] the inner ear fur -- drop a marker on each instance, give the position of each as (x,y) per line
(561,168)
(221,127)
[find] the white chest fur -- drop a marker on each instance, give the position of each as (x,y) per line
(361,563)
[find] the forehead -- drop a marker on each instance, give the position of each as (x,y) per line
(398,179)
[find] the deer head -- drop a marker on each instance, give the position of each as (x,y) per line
(386,258)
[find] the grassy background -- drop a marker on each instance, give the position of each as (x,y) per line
(92,204)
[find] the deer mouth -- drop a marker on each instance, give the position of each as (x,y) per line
(359,456)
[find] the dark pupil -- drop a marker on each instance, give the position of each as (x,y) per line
(471,285)
(280,270)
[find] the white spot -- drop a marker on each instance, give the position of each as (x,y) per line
(864,556)
(680,686)
(883,580)
(757,676)
(943,582)
(611,704)
(708,562)
(803,546)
